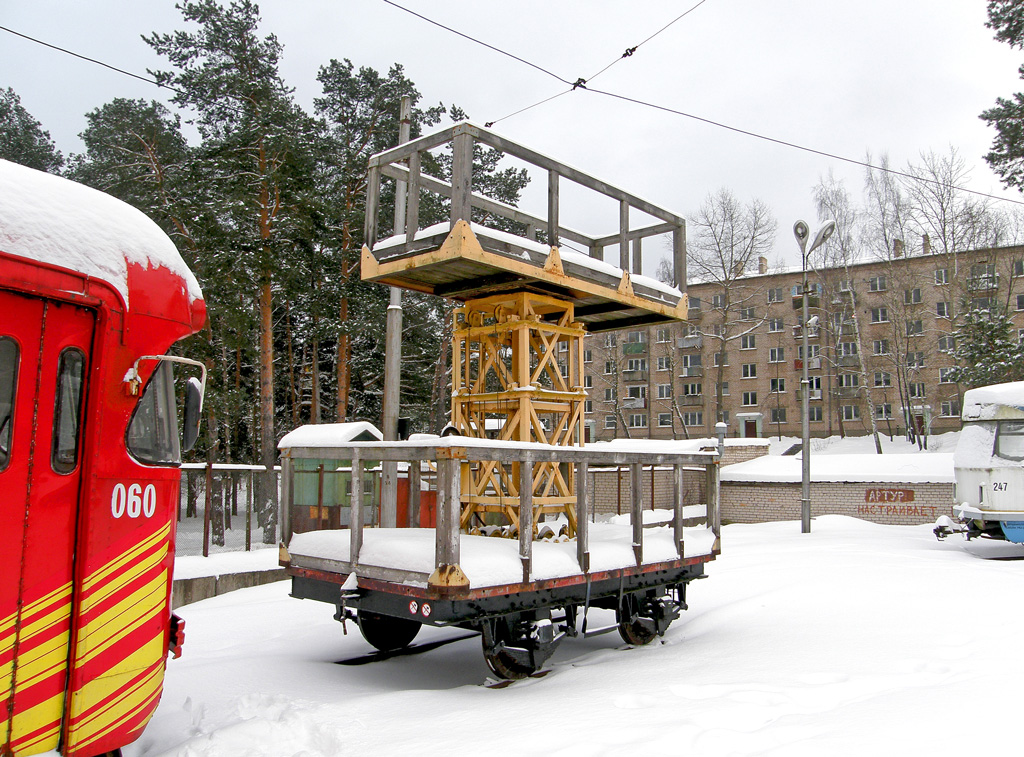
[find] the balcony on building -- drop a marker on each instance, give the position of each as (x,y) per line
(692,371)
(848,361)
(812,333)
(694,341)
(634,403)
(691,400)
(813,394)
(634,375)
(979,283)
(634,348)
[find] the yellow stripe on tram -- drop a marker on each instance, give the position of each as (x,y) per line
(122,579)
(106,629)
(45,718)
(7,624)
(100,575)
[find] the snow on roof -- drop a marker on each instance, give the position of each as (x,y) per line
(911,468)
(329,434)
(994,402)
(57,221)
(673,446)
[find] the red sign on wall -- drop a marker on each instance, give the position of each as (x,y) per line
(889,496)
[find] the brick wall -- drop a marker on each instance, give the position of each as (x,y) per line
(890,503)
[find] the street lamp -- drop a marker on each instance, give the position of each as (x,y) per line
(801,231)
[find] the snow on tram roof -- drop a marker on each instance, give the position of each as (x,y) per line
(53,220)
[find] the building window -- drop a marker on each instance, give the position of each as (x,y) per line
(692,390)
(849,380)
(588,406)
(876,284)
(912,296)
(1020,302)
(844,285)
(636,364)
(725,388)
(941,276)
(588,356)
(814,413)
(777,385)
(664,419)
(749,399)
(636,337)
(610,422)
(610,340)
(915,328)
(881,347)
(664,391)
(778,415)
(944,376)
(946,344)
(915,360)
(851,412)
(588,381)
(879,315)
(610,394)
(664,363)
(721,359)
(812,349)
(942,310)
(718,301)
(777,355)
(563,346)
(748,342)
(883,379)
(747,314)
(638,420)
(883,412)
(694,303)
(637,391)
(847,349)
(694,418)
(663,336)
(1018,267)
(775,325)
(749,370)
(949,409)
(609,367)
(916,389)
(775,294)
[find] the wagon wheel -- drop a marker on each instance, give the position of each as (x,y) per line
(498,659)
(385,632)
(633,627)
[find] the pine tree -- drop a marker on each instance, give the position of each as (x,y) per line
(1006,18)
(986,350)
(22,139)
(253,143)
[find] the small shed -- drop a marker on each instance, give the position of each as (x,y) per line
(905,489)
(323,487)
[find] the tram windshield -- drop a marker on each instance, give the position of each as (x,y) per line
(153,431)
(1010,440)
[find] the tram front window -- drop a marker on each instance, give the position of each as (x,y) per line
(153,431)
(1010,440)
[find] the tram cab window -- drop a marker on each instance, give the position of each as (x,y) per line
(67,412)
(153,431)
(1010,440)
(8,380)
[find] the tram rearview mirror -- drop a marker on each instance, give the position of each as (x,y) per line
(193,412)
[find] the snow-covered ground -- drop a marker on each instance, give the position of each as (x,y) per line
(854,639)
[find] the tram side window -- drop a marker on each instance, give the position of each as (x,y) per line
(67,413)
(8,379)
(1010,440)
(153,431)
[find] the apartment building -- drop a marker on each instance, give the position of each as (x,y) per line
(880,336)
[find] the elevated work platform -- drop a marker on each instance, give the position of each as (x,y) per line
(463,259)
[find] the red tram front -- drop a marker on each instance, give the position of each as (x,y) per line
(92,294)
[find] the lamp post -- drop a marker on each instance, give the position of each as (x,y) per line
(801,231)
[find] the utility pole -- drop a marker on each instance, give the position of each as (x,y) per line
(393,351)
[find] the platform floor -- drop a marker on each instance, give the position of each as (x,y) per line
(492,561)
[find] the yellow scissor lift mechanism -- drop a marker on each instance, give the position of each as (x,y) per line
(517,342)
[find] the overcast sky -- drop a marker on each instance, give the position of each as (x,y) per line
(886,76)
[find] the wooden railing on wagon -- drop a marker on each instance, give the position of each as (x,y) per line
(448,456)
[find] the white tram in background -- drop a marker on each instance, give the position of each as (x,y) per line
(989,462)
